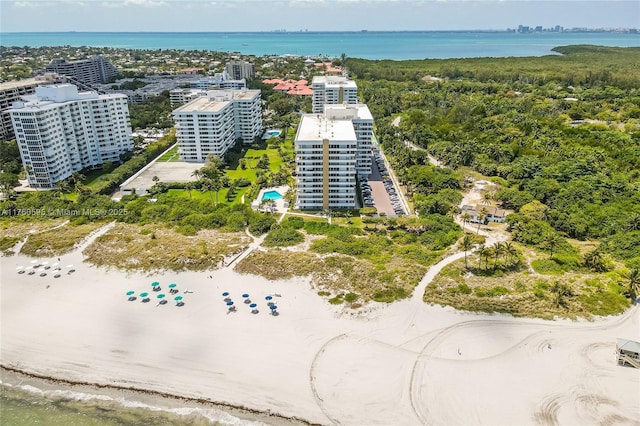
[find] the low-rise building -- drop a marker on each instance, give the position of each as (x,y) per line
(628,352)
(483,214)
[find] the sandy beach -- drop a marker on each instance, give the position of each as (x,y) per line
(406,363)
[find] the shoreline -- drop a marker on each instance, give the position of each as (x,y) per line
(149,398)
(403,363)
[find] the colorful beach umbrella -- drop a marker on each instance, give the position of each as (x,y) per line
(172,285)
(131,293)
(268,297)
(225,294)
(160,296)
(273,307)
(245,295)
(155,284)
(177,298)
(145,294)
(253,305)
(229,303)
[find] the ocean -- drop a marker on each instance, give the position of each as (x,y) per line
(27,401)
(56,404)
(368,45)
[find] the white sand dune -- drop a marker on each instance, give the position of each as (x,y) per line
(406,363)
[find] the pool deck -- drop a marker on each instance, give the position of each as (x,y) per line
(278,206)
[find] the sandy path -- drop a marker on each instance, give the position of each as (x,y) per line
(404,363)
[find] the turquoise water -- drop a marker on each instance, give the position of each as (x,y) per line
(371,45)
(271,195)
(62,408)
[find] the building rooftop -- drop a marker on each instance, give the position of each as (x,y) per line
(315,127)
(629,345)
(216,100)
(8,85)
(348,111)
(336,81)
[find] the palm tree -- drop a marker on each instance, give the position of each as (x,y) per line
(207,186)
(486,198)
(216,185)
(559,291)
(550,242)
(481,215)
(466,244)
(62,187)
(465,218)
(454,211)
(498,250)
(196,174)
(510,252)
(76,180)
(347,216)
(189,186)
(482,251)
(634,283)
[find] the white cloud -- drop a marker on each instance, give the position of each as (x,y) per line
(139,3)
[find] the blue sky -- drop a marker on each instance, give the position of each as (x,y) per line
(312,15)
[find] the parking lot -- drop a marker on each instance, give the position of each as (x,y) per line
(379,192)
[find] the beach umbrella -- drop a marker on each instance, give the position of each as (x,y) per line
(172,285)
(253,305)
(160,296)
(245,295)
(177,298)
(19,267)
(155,284)
(131,293)
(225,294)
(55,264)
(273,307)
(45,263)
(145,294)
(268,297)
(69,266)
(34,261)
(229,303)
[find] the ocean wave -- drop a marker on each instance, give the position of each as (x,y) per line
(212,415)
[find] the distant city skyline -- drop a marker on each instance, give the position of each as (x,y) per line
(311,15)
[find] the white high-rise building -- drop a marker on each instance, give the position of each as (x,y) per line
(333,90)
(325,163)
(362,122)
(211,124)
(60,131)
(221,80)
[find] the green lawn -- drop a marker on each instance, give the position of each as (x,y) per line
(171,155)
(197,195)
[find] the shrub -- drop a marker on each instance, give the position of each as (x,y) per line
(390,294)
(282,237)
(294,222)
(350,297)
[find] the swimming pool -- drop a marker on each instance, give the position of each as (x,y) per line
(271,195)
(272,133)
